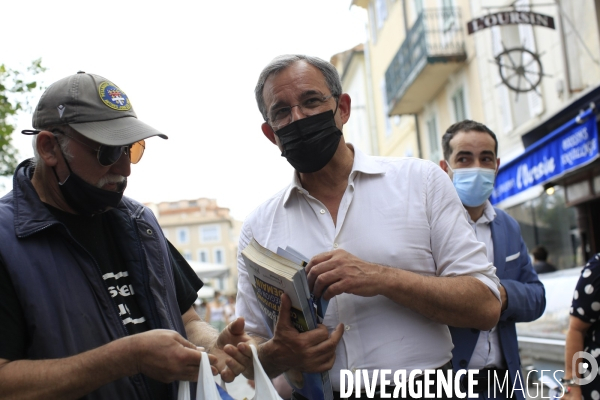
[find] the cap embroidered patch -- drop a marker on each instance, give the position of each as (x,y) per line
(114,97)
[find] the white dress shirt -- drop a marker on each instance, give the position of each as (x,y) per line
(487,352)
(399,212)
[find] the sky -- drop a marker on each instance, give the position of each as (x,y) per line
(189,69)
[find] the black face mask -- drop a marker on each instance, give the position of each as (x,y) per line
(310,143)
(87,199)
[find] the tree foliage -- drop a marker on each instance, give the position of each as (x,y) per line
(16,88)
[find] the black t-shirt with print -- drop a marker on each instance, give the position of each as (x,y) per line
(94,234)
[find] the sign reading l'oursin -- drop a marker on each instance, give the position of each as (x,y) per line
(510,18)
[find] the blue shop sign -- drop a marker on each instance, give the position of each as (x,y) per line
(567,148)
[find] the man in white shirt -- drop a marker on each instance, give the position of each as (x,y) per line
(470,150)
(388,238)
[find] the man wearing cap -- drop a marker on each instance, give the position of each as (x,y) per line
(389,244)
(95,303)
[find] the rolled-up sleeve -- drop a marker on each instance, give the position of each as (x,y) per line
(454,245)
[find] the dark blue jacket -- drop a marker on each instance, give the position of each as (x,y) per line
(67,307)
(526,297)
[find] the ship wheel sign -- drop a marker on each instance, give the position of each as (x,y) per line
(520,68)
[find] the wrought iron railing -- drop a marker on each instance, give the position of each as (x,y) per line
(436,36)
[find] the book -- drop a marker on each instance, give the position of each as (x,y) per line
(272,274)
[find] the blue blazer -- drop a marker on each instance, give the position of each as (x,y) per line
(525,292)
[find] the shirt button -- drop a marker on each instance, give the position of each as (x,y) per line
(322,211)
(335,245)
(347,327)
(353,370)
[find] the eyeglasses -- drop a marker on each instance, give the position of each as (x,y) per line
(282,116)
(108,155)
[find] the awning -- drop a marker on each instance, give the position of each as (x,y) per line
(549,124)
(567,148)
(209,270)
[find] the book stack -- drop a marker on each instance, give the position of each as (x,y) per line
(273,274)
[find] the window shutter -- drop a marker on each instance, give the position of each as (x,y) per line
(534,99)
(503,94)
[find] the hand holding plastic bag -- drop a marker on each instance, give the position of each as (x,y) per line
(207,389)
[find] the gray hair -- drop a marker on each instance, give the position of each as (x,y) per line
(63,142)
(332,78)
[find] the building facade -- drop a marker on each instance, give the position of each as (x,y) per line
(355,75)
(525,68)
(203,233)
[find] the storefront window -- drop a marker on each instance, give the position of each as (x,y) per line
(547,221)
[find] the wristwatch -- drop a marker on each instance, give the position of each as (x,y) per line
(568,382)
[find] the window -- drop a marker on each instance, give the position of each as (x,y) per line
(448,16)
(574,49)
(386,118)
(183,235)
(458,105)
(373,23)
(381,11)
(219,257)
(516,109)
(418,6)
(546,220)
(210,233)
(203,255)
(434,145)
(187,255)
(416,10)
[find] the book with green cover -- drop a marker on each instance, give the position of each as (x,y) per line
(271,275)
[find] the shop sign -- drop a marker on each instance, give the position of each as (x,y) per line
(567,148)
(510,18)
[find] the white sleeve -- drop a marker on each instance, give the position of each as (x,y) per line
(454,245)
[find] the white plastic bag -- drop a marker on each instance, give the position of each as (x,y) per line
(206,389)
(184,391)
(263,386)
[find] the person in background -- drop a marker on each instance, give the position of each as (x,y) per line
(230,308)
(216,312)
(94,301)
(540,263)
(470,160)
(583,333)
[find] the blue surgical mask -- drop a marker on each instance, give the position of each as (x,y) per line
(473,185)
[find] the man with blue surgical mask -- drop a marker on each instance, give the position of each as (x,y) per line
(470,159)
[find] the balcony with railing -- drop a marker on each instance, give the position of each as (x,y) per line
(434,49)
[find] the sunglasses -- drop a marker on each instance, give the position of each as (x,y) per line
(108,155)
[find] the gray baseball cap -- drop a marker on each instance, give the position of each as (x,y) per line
(94,107)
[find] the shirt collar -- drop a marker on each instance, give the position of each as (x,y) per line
(489,214)
(362,163)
